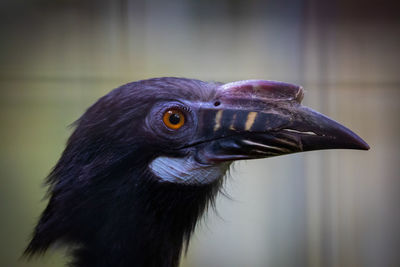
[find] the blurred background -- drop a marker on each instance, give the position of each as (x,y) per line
(325,208)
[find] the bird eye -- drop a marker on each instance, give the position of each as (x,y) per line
(174,119)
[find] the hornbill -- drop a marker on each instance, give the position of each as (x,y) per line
(147,159)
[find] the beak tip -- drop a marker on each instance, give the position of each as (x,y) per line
(357,143)
(363,145)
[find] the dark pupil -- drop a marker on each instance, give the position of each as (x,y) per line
(174,118)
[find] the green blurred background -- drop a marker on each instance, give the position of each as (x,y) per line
(325,208)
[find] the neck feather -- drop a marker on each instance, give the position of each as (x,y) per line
(143,223)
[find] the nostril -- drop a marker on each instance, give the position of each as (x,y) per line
(217,103)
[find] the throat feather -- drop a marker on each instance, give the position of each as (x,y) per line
(187,170)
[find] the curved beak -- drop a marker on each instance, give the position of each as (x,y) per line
(257,119)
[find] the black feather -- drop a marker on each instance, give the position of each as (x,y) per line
(104,202)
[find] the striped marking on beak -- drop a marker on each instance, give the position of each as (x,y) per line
(232,126)
(251,117)
(218,118)
(264,146)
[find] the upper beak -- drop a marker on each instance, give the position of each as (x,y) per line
(256,119)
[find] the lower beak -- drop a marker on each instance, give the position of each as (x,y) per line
(273,123)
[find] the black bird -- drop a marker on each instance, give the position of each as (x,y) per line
(147,159)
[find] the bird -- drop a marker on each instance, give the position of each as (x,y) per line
(148,159)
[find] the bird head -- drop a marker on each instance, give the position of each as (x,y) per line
(197,129)
(189,131)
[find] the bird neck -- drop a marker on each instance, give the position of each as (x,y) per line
(148,226)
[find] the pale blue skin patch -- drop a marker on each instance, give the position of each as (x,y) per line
(187,170)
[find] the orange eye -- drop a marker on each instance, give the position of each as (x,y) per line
(174,119)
